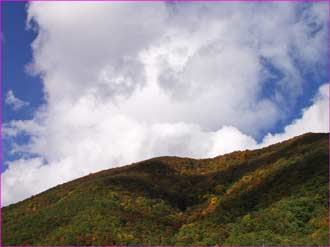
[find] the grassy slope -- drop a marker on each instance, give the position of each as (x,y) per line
(272,196)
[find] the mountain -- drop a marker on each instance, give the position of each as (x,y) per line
(277,195)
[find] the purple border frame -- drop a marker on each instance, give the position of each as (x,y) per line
(1,81)
(1,161)
(164,0)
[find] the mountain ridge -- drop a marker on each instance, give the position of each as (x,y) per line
(182,201)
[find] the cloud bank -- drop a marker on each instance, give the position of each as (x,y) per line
(195,80)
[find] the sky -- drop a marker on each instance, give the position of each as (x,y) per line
(86,88)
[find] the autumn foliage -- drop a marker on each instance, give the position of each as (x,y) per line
(273,196)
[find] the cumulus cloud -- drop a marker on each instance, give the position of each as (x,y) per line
(314,119)
(190,62)
(173,79)
(14,102)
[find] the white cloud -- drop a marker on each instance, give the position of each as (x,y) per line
(190,62)
(314,119)
(14,102)
(172,79)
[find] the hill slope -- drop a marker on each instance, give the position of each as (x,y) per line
(273,196)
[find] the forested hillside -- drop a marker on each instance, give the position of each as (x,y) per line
(272,196)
